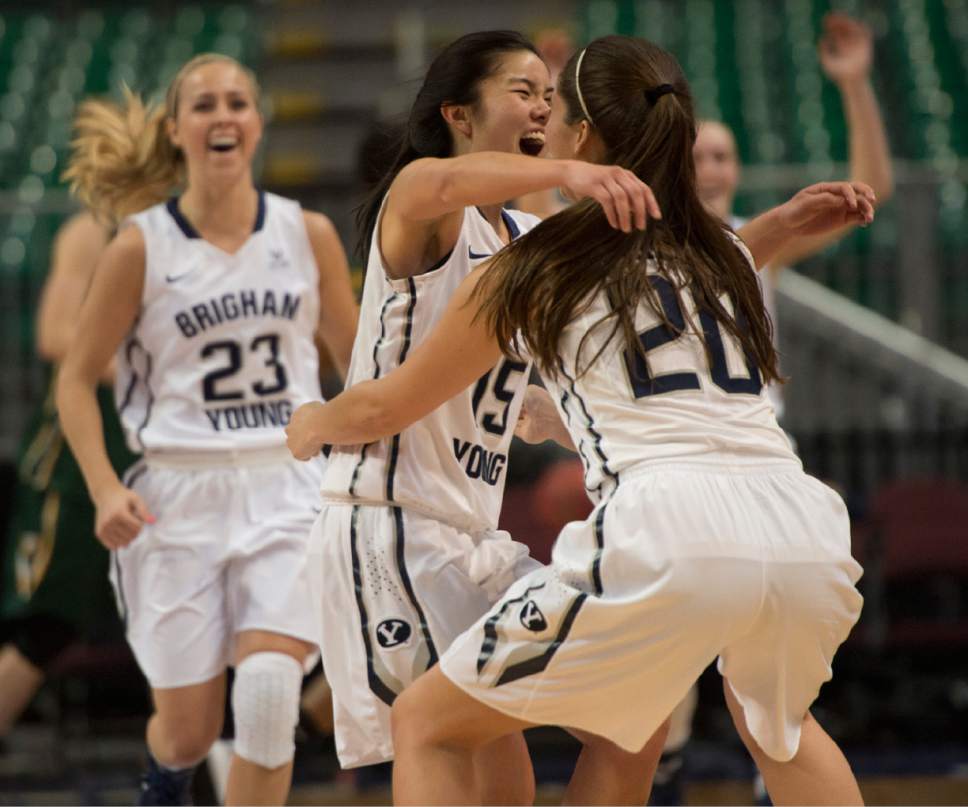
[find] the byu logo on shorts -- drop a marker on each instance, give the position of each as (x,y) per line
(391,633)
(532,618)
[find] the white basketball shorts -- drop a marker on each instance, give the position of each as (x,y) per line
(230,551)
(399,586)
(683,564)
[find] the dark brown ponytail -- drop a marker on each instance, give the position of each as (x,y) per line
(634,95)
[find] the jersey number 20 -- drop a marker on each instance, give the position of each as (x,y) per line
(645,384)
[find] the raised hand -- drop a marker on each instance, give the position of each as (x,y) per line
(827,206)
(627,200)
(846,49)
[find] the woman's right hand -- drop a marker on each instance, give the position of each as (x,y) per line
(846,49)
(626,199)
(120,515)
(827,206)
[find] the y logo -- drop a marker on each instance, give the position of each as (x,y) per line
(532,618)
(391,633)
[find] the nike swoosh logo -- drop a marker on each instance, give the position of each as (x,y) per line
(175,278)
(474,256)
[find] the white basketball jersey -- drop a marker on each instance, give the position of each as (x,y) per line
(677,403)
(451,464)
(222,351)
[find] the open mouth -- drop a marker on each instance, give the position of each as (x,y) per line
(532,143)
(223,143)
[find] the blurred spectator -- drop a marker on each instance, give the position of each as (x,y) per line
(55,572)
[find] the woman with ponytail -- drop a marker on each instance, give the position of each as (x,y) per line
(409,523)
(211,303)
(707,539)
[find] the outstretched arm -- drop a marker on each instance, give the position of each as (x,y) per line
(429,188)
(846,54)
(425,203)
(457,353)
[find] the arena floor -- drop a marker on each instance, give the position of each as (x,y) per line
(41,765)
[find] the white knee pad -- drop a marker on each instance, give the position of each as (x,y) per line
(265,701)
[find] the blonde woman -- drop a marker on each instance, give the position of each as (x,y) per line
(211,303)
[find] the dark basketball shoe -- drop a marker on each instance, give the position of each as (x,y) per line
(161,786)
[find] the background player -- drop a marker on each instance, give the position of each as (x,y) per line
(55,575)
(846,55)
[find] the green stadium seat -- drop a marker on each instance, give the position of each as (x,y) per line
(45,69)
(753,63)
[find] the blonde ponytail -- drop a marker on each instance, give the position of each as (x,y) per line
(121,158)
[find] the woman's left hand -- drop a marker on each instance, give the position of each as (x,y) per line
(301,436)
(537,416)
(539,419)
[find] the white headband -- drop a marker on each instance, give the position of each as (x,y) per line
(578,87)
